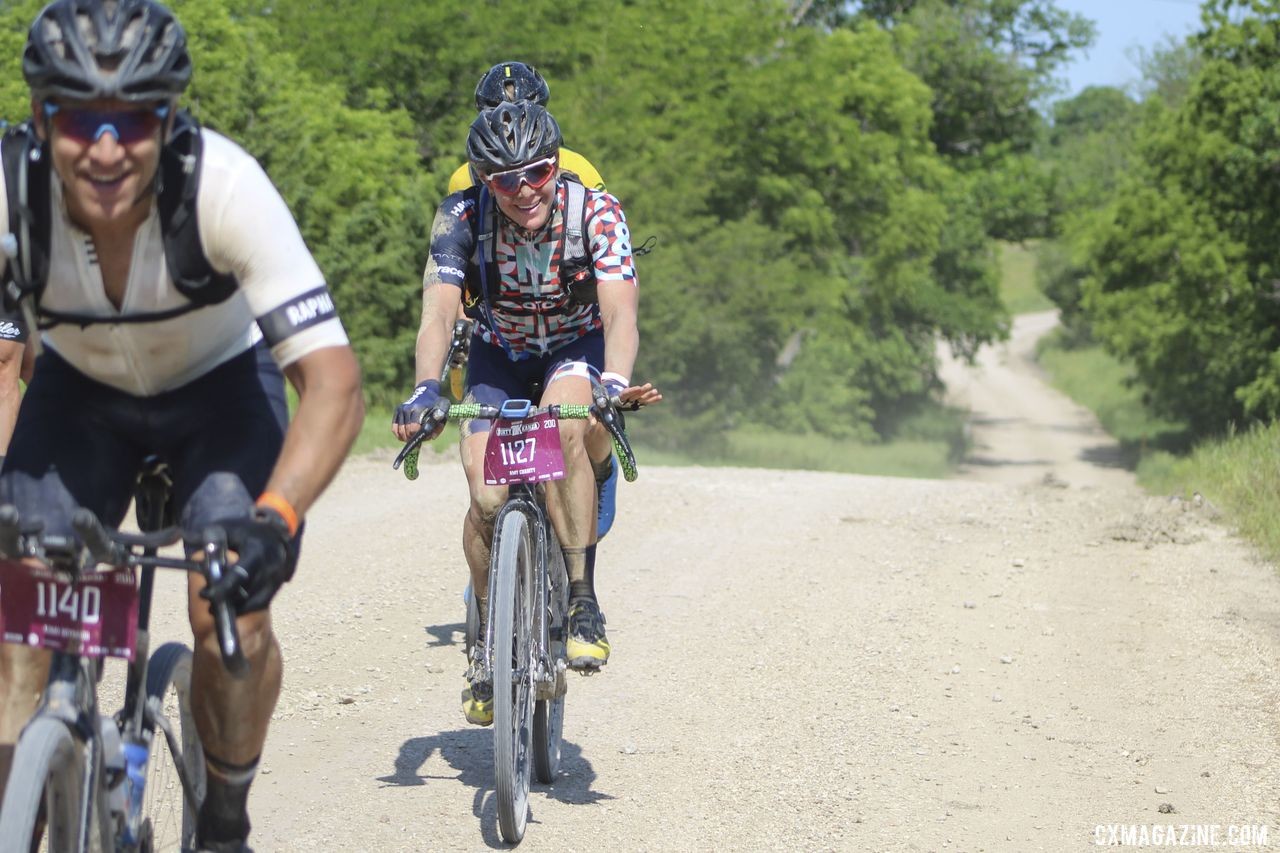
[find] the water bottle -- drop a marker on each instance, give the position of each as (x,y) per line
(135,758)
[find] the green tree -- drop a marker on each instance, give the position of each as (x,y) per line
(1183,265)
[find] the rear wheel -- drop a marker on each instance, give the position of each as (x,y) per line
(548,714)
(44,781)
(168,820)
(513,690)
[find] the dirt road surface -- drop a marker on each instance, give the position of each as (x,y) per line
(1006,661)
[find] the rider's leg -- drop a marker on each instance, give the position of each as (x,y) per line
(477,539)
(225,433)
(231,714)
(477,528)
(571,505)
(23,673)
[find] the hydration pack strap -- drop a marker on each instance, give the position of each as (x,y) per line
(486,242)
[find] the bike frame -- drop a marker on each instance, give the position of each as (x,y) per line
(527,499)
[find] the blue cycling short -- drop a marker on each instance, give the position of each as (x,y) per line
(81,443)
(493,378)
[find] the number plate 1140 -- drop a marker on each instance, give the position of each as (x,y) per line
(96,615)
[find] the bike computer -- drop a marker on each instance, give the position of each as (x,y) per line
(516,409)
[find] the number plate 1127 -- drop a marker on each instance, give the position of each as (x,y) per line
(96,615)
(524,451)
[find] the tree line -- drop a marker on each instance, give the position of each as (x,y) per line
(825,179)
(1165,247)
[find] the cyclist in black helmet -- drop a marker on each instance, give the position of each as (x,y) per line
(165,341)
(512,82)
(533,328)
(509,82)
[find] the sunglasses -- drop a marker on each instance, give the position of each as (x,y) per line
(534,174)
(88,126)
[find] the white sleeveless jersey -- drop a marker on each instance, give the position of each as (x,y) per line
(246,230)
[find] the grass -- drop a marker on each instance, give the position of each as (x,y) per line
(1239,473)
(1099,382)
(1018,289)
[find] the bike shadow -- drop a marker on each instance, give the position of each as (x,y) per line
(442,635)
(470,752)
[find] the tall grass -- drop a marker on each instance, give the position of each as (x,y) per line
(1101,383)
(1239,473)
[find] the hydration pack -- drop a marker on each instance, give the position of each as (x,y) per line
(27,176)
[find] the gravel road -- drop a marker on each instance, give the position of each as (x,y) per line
(1003,661)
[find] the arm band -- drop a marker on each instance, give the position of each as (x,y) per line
(272,500)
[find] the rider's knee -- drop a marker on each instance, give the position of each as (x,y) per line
(254,630)
(485,503)
(573,437)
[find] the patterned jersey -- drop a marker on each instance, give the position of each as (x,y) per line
(531,309)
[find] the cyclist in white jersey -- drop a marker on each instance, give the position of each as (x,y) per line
(141,363)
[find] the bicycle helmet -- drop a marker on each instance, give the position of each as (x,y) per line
(133,50)
(510,135)
(511,81)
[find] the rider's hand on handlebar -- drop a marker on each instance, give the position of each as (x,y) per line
(638,395)
(265,558)
(408,417)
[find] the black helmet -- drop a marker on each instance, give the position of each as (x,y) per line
(134,50)
(511,135)
(511,81)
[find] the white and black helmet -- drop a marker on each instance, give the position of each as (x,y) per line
(133,50)
(510,135)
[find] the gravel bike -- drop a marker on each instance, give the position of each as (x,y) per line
(523,650)
(99,782)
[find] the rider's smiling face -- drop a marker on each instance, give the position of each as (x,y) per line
(528,208)
(106,180)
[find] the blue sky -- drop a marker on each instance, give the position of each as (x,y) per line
(1123,24)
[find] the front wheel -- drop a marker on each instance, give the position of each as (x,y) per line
(513,668)
(168,819)
(44,781)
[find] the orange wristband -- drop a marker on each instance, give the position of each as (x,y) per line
(282,506)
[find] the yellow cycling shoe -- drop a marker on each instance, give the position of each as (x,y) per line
(477,704)
(588,648)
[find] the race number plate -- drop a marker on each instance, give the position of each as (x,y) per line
(96,616)
(526,450)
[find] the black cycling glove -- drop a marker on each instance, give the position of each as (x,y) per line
(419,402)
(266,558)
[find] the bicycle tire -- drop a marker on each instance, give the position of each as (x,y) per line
(512,603)
(48,771)
(168,820)
(548,714)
